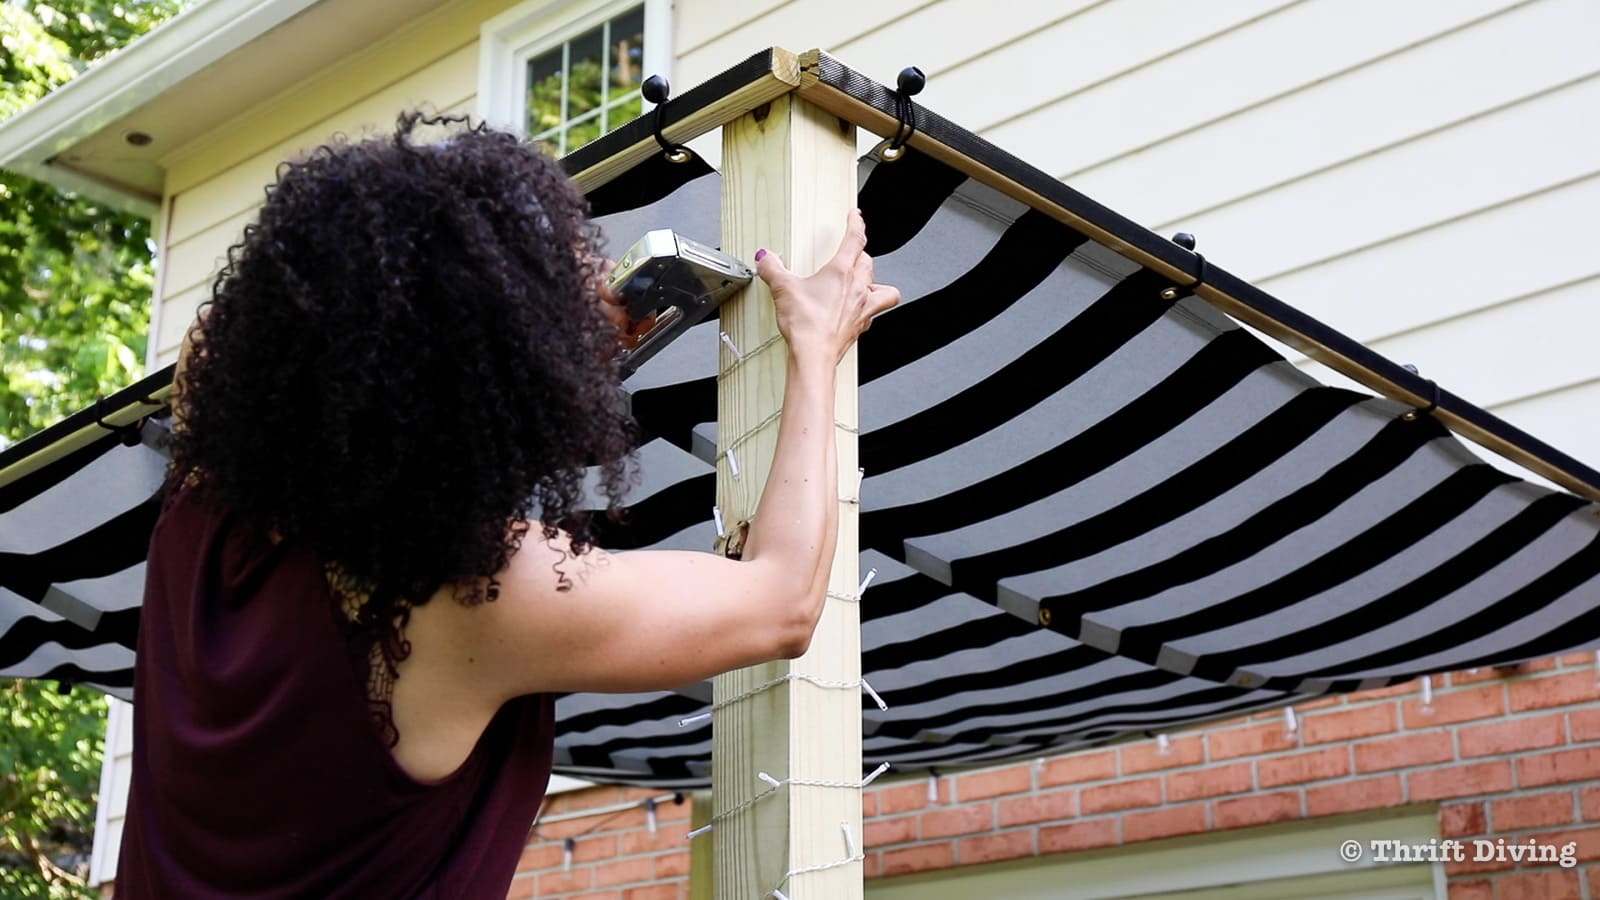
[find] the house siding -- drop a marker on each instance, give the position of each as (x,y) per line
(1421,176)
(1414,175)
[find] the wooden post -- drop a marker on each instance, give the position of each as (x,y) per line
(788,182)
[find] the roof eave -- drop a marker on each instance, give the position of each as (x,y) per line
(31,141)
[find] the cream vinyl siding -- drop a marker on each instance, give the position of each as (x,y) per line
(1420,176)
(1292,861)
(215,183)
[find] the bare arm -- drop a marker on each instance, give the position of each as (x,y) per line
(660,619)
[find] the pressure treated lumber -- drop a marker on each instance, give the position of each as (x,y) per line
(788,184)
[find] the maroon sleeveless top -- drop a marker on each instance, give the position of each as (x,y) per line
(256,770)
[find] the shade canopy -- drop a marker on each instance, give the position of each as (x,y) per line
(1093,504)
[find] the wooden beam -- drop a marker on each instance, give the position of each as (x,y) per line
(782,78)
(842,103)
(788,182)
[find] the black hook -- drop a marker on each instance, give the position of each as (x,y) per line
(910,83)
(128,434)
(1186,240)
(1411,415)
(656,90)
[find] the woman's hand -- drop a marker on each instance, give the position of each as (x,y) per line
(629,332)
(822,315)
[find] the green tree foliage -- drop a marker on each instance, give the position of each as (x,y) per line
(75,281)
(75,277)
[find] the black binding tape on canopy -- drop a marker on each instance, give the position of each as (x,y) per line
(1151,246)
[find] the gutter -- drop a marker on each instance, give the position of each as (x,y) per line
(122,83)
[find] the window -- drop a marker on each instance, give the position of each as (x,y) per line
(564,73)
(588,85)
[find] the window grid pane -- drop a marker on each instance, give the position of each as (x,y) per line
(592,89)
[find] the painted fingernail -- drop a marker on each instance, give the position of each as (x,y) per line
(760,255)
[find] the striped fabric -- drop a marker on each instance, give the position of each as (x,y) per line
(1202,529)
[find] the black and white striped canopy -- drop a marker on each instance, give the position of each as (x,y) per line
(1092,510)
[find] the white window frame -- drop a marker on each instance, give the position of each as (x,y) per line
(509,41)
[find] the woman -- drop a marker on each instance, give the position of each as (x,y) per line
(370,574)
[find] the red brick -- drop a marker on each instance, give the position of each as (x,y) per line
(1460,781)
(1556,690)
(559,882)
(869,804)
(1209,782)
(958,820)
(918,859)
(1121,795)
(521,888)
(890,831)
(906,797)
(1585,725)
(1349,796)
(1557,885)
(1471,890)
(1038,808)
(1234,742)
(1475,676)
(672,865)
(1531,811)
(1393,690)
(653,892)
(667,837)
(539,856)
(1587,839)
(980,785)
(671,811)
(873,866)
(593,848)
(1145,756)
(1241,812)
(1470,864)
(1078,836)
(995,847)
(1348,724)
(1594,881)
(1162,823)
(1591,803)
(1079,767)
(1423,749)
(623,871)
(1453,706)
(1463,819)
(598,895)
(1580,658)
(1513,736)
(1318,765)
(1558,767)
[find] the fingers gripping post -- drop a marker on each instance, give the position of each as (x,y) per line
(788,187)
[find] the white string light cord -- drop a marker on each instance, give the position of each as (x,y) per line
(854,852)
(720,705)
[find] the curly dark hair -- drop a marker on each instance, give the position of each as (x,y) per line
(404,361)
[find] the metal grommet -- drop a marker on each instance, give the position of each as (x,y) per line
(1169,294)
(891,153)
(1044,616)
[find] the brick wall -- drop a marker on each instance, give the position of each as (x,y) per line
(1503,754)
(615,856)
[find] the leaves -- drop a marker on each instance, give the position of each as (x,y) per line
(75,285)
